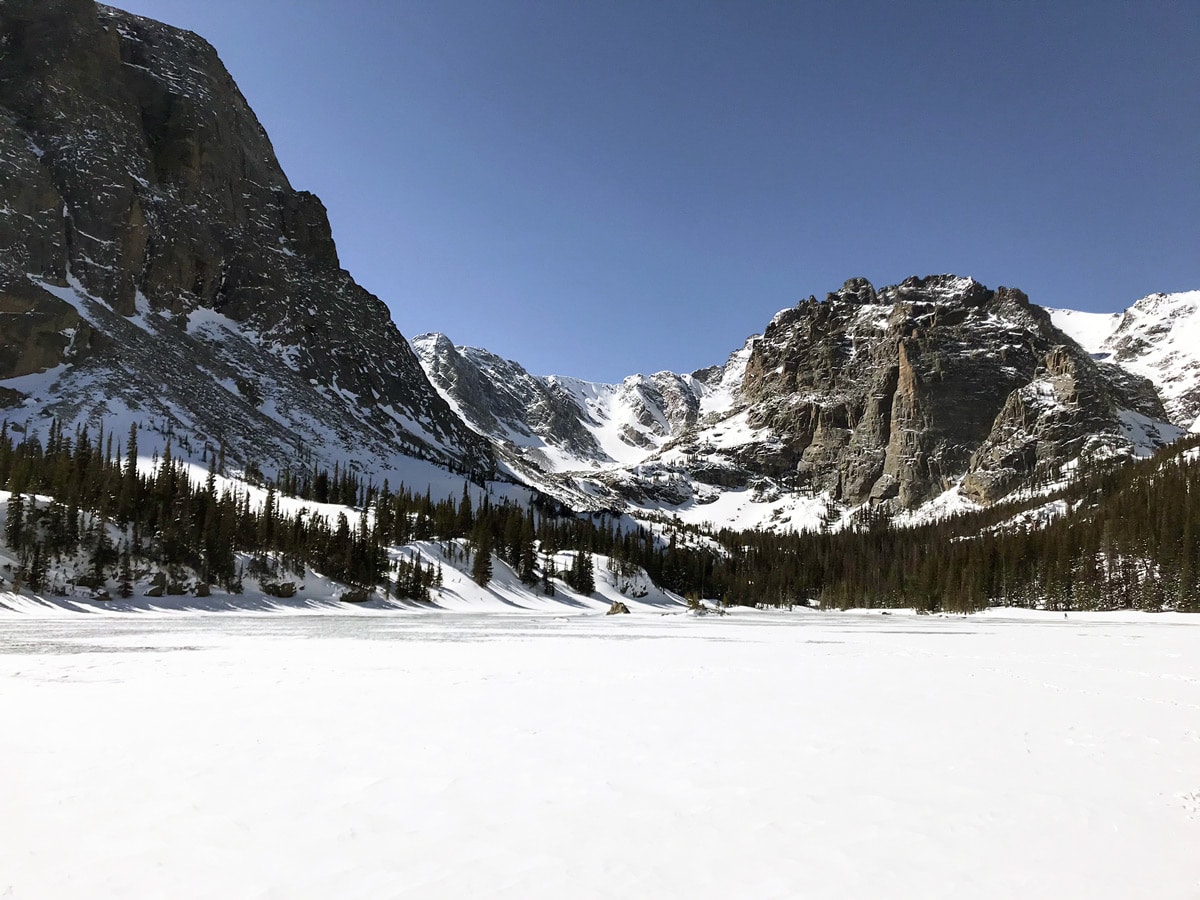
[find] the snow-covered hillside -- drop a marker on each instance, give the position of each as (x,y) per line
(561,424)
(68,589)
(218,387)
(316,593)
(1158,338)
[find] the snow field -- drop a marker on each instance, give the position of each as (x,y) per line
(759,754)
(1088,329)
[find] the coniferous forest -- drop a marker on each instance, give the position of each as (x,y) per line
(1127,536)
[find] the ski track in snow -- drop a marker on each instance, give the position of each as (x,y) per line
(763,754)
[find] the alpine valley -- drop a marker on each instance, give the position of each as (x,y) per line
(171,305)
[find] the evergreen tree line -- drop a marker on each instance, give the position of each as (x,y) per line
(164,519)
(1131,539)
(161,518)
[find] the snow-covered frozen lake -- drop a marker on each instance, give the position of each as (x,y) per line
(453,755)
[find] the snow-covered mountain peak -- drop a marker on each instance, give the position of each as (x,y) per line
(1171,317)
(934,289)
(157,268)
(1159,337)
(556,423)
(867,398)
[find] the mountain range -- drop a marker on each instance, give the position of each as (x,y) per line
(158,268)
(937,393)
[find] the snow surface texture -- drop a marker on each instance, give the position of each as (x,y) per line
(762,754)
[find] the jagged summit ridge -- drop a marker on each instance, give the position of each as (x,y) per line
(897,395)
(556,423)
(1159,337)
(883,398)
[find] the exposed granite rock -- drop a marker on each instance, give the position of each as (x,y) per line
(36,329)
(882,397)
(891,396)
(134,174)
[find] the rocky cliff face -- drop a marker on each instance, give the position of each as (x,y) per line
(537,417)
(897,395)
(883,399)
(156,264)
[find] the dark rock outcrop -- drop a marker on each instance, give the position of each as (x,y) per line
(892,396)
(150,242)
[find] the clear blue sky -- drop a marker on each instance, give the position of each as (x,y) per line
(601,188)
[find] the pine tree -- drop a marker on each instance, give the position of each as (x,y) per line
(526,557)
(587,575)
(582,577)
(466,518)
(266,522)
(103,554)
(481,566)
(128,494)
(35,571)
(125,576)
(14,528)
